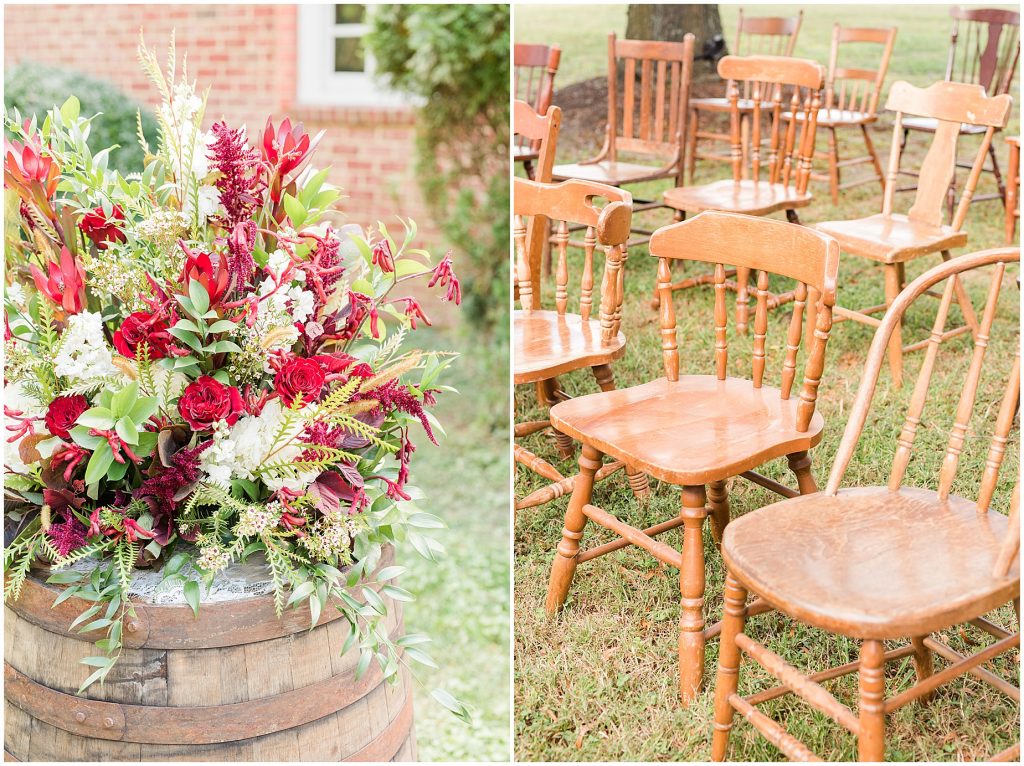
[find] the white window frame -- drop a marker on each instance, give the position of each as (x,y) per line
(318,84)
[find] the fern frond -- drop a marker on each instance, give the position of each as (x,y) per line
(77,555)
(326,457)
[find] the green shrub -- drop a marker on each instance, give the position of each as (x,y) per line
(33,88)
(455,59)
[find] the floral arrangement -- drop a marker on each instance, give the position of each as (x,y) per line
(201,368)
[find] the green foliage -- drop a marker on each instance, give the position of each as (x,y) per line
(455,58)
(33,88)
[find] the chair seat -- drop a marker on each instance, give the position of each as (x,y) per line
(893,239)
(873,564)
(928,125)
(830,118)
(722,104)
(611,173)
(750,197)
(691,431)
(524,153)
(548,344)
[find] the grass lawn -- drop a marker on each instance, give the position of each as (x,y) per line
(463,602)
(601,681)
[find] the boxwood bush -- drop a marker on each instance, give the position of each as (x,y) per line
(33,88)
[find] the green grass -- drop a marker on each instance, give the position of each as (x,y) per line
(601,681)
(463,602)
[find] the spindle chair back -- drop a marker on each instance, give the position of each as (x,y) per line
(534,68)
(889,586)
(699,431)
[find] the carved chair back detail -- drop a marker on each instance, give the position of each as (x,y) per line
(984,48)
(534,69)
(729,239)
(951,104)
(856,89)
(765,36)
(574,202)
(777,85)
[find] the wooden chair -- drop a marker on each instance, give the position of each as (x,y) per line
(541,133)
(534,68)
(984,50)
(651,122)
(697,431)
(776,84)
(551,343)
(891,238)
(881,563)
(851,101)
(755,35)
(1012,189)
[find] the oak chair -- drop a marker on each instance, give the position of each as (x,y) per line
(776,84)
(1013,189)
(551,343)
(892,239)
(755,35)
(851,101)
(650,124)
(697,431)
(533,69)
(984,50)
(883,563)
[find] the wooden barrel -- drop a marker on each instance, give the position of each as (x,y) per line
(235,684)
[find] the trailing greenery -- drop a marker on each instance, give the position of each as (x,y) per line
(455,58)
(33,88)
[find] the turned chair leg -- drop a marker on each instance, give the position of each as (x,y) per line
(892,289)
(718,500)
(833,166)
(564,565)
(691,588)
(637,479)
(728,665)
(548,396)
(874,155)
(871,738)
(997,173)
(923,666)
(800,465)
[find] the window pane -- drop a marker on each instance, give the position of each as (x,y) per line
(349,14)
(348,54)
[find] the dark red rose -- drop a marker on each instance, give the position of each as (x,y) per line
(62,414)
(207,400)
(299,376)
(142,326)
(100,229)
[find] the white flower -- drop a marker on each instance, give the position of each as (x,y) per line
(277,262)
(209,202)
(16,294)
(84,354)
(302,303)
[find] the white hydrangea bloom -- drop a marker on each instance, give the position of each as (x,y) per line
(84,354)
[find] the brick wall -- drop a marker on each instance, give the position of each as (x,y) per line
(247,54)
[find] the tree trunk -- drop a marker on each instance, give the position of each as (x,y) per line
(671,22)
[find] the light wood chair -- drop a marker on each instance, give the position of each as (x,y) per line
(540,133)
(892,239)
(697,431)
(1013,189)
(651,124)
(533,69)
(755,35)
(882,563)
(851,101)
(551,343)
(776,84)
(984,50)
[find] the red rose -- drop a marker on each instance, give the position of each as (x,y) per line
(299,376)
(142,326)
(62,414)
(207,400)
(100,229)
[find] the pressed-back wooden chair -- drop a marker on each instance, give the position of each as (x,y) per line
(698,431)
(551,343)
(1013,189)
(984,50)
(755,35)
(542,133)
(777,181)
(534,68)
(851,101)
(650,122)
(883,563)
(892,238)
